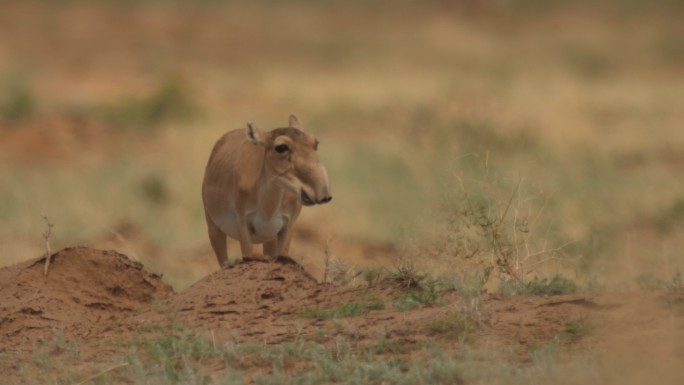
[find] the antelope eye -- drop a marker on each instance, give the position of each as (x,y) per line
(281,148)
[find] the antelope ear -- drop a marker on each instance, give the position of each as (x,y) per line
(255,135)
(294,122)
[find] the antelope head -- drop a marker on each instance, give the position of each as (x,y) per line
(291,161)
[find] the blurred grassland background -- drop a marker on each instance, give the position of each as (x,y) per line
(563,119)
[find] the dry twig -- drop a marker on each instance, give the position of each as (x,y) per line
(46,236)
(96,375)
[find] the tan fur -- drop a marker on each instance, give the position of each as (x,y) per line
(253,193)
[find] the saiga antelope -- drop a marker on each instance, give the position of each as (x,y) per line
(255,185)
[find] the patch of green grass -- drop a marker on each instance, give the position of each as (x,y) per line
(459,326)
(416,298)
(189,358)
(468,285)
(351,309)
(175,360)
(557,285)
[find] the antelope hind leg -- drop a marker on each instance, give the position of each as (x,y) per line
(218,242)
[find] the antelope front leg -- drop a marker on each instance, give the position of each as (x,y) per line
(245,239)
(271,249)
(284,239)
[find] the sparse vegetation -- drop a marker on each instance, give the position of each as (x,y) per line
(577,328)
(459,326)
(415,298)
(17,100)
(352,309)
(651,282)
(172,101)
(371,276)
(491,228)
(558,284)
(407,276)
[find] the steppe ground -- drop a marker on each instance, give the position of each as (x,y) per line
(507,179)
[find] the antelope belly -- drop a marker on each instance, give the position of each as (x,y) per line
(263,230)
(228,224)
(260,229)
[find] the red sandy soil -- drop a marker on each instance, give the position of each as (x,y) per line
(93,297)
(84,289)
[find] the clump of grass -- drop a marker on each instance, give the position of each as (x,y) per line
(458,326)
(372,276)
(577,328)
(419,290)
(557,285)
(337,271)
(468,284)
(416,298)
(545,355)
(17,101)
(407,276)
(351,309)
(385,344)
(173,359)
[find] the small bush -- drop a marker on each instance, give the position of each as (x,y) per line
(407,277)
(493,227)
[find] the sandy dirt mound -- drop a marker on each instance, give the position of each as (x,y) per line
(84,287)
(254,302)
(250,299)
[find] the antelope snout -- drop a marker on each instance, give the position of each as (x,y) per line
(308,201)
(323,194)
